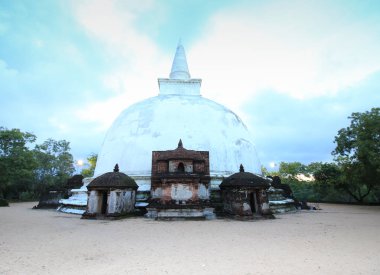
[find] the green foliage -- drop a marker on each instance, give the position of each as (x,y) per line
(302,190)
(313,167)
(89,172)
(55,164)
(27,172)
(355,174)
(357,153)
(291,168)
(325,178)
(321,189)
(28,196)
(3,202)
(264,171)
(17,162)
(313,191)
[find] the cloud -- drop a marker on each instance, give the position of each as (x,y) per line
(66,73)
(60,83)
(303,49)
(137,61)
(306,52)
(46,72)
(291,129)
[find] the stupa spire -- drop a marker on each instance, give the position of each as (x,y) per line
(179,81)
(179,66)
(241,170)
(180,145)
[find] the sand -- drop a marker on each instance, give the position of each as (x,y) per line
(339,239)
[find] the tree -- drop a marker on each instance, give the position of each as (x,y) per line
(55,164)
(17,162)
(292,169)
(26,172)
(357,152)
(313,167)
(89,172)
(327,176)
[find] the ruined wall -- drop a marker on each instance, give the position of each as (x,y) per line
(168,161)
(94,204)
(180,184)
(188,166)
(245,202)
(181,192)
(236,202)
(121,201)
(204,191)
(263,200)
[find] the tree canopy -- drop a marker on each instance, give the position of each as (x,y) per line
(55,163)
(357,153)
(26,168)
(89,172)
(17,162)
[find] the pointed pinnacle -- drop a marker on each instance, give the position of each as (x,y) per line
(180,69)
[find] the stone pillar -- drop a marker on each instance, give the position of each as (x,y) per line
(94,203)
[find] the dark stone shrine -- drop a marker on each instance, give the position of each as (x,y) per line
(180,184)
(244,195)
(112,194)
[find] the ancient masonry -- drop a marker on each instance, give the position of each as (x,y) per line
(112,194)
(180,184)
(219,143)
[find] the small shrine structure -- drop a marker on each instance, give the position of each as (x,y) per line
(112,194)
(244,195)
(180,184)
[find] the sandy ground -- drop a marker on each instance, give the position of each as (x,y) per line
(336,240)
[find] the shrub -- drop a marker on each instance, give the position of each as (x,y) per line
(3,202)
(27,196)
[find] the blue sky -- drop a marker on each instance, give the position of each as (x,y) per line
(293,70)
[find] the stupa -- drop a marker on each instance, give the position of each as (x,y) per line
(177,112)
(155,124)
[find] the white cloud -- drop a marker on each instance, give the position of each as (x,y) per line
(59,124)
(113,23)
(304,49)
(301,49)
(137,59)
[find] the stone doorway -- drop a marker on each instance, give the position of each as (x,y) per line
(104,196)
(253,202)
(181,167)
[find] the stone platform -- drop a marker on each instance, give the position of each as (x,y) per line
(77,202)
(174,213)
(278,203)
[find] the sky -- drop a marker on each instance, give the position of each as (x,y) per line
(294,71)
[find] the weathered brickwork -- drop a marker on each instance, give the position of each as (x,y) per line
(112,194)
(244,195)
(180,181)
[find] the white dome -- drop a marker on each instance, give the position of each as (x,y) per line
(159,122)
(178,112)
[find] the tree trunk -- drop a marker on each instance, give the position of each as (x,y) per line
(361,197)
